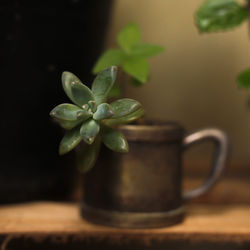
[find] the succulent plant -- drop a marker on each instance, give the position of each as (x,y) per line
(90,118)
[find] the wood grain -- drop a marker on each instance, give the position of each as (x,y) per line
(47,219)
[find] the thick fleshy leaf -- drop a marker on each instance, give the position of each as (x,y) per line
(137,68)
(103,84)
(92,105)
(243,79)
(81,94)
(103,111)
(146,50)
(86,157)
(67,79)
(69,112)
(109,58)
(218,15)
(125,119)
(89,130)
(128,37)
(123,107)
(70,140)
(68,124)
(114,140)
(75,90)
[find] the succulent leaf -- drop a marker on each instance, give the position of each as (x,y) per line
(69,112)
(86,157)
(81,94)
(103,111)
(89,130)
(115,92)
(125,119)
(218,15)
(123,107)
(146,50)
(75,90)
(70,140)
(68,124)
(109,58)
(114,140)
(67,79)
(128,37)
(243,79)
(138,68)
(92,105)
(103,83)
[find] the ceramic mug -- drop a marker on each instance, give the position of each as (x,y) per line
(143,188)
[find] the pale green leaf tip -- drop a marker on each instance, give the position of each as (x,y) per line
(113,70)
(64,74)
(89,140)
(62,150)
(52,113)
(126,149)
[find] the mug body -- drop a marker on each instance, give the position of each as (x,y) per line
(142,188)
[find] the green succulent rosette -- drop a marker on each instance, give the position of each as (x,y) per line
(91,118)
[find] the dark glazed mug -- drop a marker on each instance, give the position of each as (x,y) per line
(143,188)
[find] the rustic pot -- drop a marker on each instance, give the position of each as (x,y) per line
(143,188)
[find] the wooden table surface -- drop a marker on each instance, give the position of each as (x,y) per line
(50,219)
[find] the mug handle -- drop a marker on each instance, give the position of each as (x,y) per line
(221,142)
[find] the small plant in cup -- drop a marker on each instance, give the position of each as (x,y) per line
(91,118)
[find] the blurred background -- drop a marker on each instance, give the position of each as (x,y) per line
(193,82)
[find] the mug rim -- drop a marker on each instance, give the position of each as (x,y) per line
(153,130)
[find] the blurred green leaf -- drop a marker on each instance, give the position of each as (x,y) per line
(123,107)
(114,140)
(218,15)
(135,82)
(146,50)
(128,37)
(112,57)
(104,111)
(103,83)
(87,155)
(70,140)
(125,119)
(89,130)
(137,68)
(115,92)
(243,79)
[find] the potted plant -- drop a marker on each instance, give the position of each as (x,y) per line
(139,187)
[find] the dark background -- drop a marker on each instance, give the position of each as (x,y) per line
(39,40)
